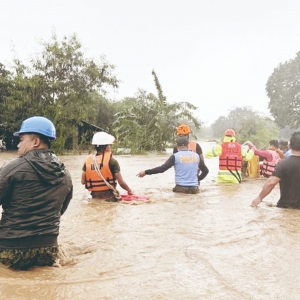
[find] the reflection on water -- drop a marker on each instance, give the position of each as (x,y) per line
(212,245)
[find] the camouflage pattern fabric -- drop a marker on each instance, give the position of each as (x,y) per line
(186,190)
(23,259)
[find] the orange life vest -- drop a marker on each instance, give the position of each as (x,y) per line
(231,156)
(93,181)
(268,167)
(192,146)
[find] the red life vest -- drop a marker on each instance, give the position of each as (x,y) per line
(231,156)
(93,181)
(268,167)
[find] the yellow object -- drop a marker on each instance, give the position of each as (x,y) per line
(225,176)
(253,167)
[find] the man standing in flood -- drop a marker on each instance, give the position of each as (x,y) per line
(186,164)
(185,131)
(35,190)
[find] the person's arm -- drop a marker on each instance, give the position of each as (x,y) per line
(175,149)
(262,153)
(267,188)
(5,186)
(70,194)
(204,171)
(116,171)
(66,202)
(122,183)
(3,190)
(167,165)
(83,177)
(215,151)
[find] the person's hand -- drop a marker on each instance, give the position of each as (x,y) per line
(141,174)
(250,144)
(255,202)
(130,192)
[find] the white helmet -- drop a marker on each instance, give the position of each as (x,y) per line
(102,138)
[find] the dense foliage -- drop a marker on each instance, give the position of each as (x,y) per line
(249,126)
(283,89)
(148,122)
(63,85)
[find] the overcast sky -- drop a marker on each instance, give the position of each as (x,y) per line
(216,54)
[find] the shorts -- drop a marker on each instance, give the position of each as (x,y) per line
(24,259)
(186,189)
(107,195)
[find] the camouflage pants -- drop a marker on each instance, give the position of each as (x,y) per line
(23,259)
(186,189)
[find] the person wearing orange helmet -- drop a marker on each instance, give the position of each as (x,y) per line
(185,130)
(231,156)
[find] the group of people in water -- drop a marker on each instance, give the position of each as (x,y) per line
(36,188)
(190,168)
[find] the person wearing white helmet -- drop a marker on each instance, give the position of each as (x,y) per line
(101,172)
(35,190)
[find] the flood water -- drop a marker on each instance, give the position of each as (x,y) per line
(212,245)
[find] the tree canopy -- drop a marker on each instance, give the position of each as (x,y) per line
(59,84)
(148,122)
(248,125)
(283,90)
(62,84)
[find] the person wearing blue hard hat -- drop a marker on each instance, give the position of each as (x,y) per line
(35,190)
(40,126)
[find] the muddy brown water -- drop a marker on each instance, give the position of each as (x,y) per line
(212,245)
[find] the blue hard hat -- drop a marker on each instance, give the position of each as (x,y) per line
(39,125)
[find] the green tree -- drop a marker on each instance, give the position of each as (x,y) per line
(71,80)
(5,90)
(148,122)
(248,125)
(60,83)
(283,90)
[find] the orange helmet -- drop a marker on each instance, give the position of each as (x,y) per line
(183,130)
(229,132)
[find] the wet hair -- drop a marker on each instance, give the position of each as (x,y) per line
(283,143)
(274,143)
(100,148)
(295,141)
(182,141)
